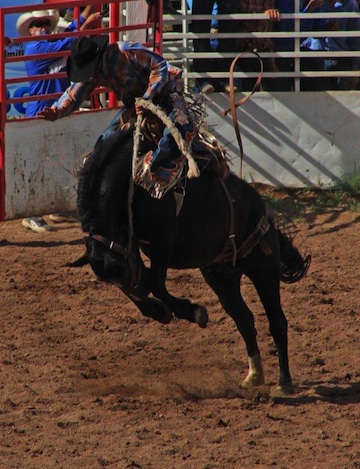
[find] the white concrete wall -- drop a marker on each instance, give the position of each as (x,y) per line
(40,158)
(293,140)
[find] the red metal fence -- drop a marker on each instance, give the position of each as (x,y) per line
(111,25)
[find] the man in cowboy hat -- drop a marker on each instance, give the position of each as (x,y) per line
(37,24)
(131,71)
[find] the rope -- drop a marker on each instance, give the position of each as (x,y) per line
(234,105)
(193,170)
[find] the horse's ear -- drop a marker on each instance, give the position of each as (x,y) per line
(80,262)
(94,249)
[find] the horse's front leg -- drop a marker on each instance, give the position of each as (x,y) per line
(149,306)
(153,308)
(181,307)
(162,305)
(161,231)
(161,251)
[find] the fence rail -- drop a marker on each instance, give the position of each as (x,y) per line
(178,46)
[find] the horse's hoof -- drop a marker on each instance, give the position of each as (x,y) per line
(253,381)
(201,317)
(167,317)
(283,390)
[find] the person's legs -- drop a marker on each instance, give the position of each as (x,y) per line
(315,64)
(168,150)
(343,83)
(202,7)
(282,83)
(336,83)
(226,45)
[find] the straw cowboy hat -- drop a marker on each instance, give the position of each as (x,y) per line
(85,56)
(24,21)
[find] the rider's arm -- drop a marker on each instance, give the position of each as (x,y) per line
(69,101)
(149,60)
(158,76)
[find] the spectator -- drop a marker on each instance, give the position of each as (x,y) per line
(287,44)
(37,24)
(344,43)
(251,64)
(206,7)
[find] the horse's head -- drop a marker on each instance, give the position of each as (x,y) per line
(117,263)
(113,262)
(103,204)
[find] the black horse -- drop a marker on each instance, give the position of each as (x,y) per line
(223,228)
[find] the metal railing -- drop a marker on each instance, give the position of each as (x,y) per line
(113,26)
(178,46)
(116,25)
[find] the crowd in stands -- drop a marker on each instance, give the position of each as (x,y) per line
(274,9)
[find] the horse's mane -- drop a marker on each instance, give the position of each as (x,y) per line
(117,147)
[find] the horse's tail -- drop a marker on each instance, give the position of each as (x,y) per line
(293,265)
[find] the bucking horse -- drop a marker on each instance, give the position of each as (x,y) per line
(216,222)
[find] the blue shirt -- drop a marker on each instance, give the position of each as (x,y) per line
(343,43)
(287,25)
(47,66)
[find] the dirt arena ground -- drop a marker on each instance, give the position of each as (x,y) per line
(87,382)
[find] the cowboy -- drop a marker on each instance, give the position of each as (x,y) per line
(131,71)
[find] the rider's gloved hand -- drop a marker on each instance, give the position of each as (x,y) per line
(49,114)
(138,108)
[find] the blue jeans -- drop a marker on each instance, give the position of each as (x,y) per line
(174,105)
(336,83)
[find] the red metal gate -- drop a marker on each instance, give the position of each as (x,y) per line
(113,27)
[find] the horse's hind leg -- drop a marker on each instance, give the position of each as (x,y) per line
(225,282)
(265,277)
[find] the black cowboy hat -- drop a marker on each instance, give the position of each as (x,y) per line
(85,57)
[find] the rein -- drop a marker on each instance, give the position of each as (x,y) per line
(240,102)
(124,251)
(114,246)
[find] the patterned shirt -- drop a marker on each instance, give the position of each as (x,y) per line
(127,68)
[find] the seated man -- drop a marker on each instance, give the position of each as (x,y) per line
(131,71)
